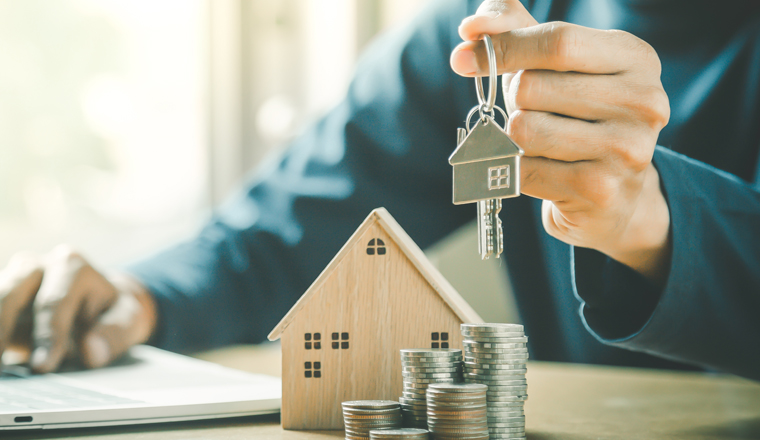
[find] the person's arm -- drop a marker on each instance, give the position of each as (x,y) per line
(386,145)
(707,312)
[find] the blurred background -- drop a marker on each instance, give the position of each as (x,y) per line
(123,123)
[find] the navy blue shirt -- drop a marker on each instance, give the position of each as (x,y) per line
(387,145)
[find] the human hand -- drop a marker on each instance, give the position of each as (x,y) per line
(587,107)
(60,307)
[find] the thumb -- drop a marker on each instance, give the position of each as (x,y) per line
(495,17)
(128,322)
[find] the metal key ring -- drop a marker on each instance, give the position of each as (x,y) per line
(480,109)
(492,77)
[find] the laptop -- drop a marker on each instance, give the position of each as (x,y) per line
(147,385)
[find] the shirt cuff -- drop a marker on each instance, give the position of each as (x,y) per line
(616,301)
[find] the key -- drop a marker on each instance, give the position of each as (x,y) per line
(486,165)
(490,234)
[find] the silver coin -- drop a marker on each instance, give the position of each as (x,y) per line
(494,374)
(510,419)
(492,326)
(424,362)
(492,335)
(506,359)
(482,354)
(449,369)
(430,352)
(506,386)
(507,391)
(429,375)
(369,404)
(492,352)
(507,412)
(448,406)
(478,366)
(509,342)
(496,383)
(407,433)
(458,388)
(506,437)
(431,380)
(506,402)
(506,430)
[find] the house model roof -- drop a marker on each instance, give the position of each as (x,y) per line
(484,142)
(382,217)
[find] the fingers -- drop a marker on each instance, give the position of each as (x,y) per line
(588,97)
(70,298)
(494,17)
(542,134)
(19,282)
(557,46)
(128,322)
(574,163)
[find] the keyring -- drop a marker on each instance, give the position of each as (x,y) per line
(480,109)
(492,78)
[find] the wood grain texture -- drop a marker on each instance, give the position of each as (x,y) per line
(575,402)
(384,304)
(414,254)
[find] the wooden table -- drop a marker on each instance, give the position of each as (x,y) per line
(566,402)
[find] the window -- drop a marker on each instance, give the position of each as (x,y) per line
(139,117)
(308,344)
(340,341)
(439,340)
(312,369)
(498,177)
(376,247)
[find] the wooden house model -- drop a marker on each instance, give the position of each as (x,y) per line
(341,340)
(486,164)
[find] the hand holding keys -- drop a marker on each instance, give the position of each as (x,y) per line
(486,164)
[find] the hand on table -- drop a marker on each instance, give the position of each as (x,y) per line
(60,307)
(587,107)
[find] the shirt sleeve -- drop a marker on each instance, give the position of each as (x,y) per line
(386,145)
(707,313)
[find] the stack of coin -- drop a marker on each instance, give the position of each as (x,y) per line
(457,411)
(362,416)
(496,355)
(399,434)
(420,368)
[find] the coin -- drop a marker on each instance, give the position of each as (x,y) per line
(399,434)
(360,416)
(496,355)
(431,352)
(499,341)
(494,327)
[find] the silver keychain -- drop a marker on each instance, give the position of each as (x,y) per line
(486,163)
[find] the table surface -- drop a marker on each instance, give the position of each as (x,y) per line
(566,401)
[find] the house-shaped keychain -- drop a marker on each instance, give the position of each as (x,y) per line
(486,164)
(341,340)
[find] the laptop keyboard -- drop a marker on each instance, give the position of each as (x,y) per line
(37,393)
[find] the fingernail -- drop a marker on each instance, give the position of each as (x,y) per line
(39,358)
(98,352)
(464,62)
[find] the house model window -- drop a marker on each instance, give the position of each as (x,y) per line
(376,247)
(316,343)
(439,340)
(340,341)
(312,369)
(498,177)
